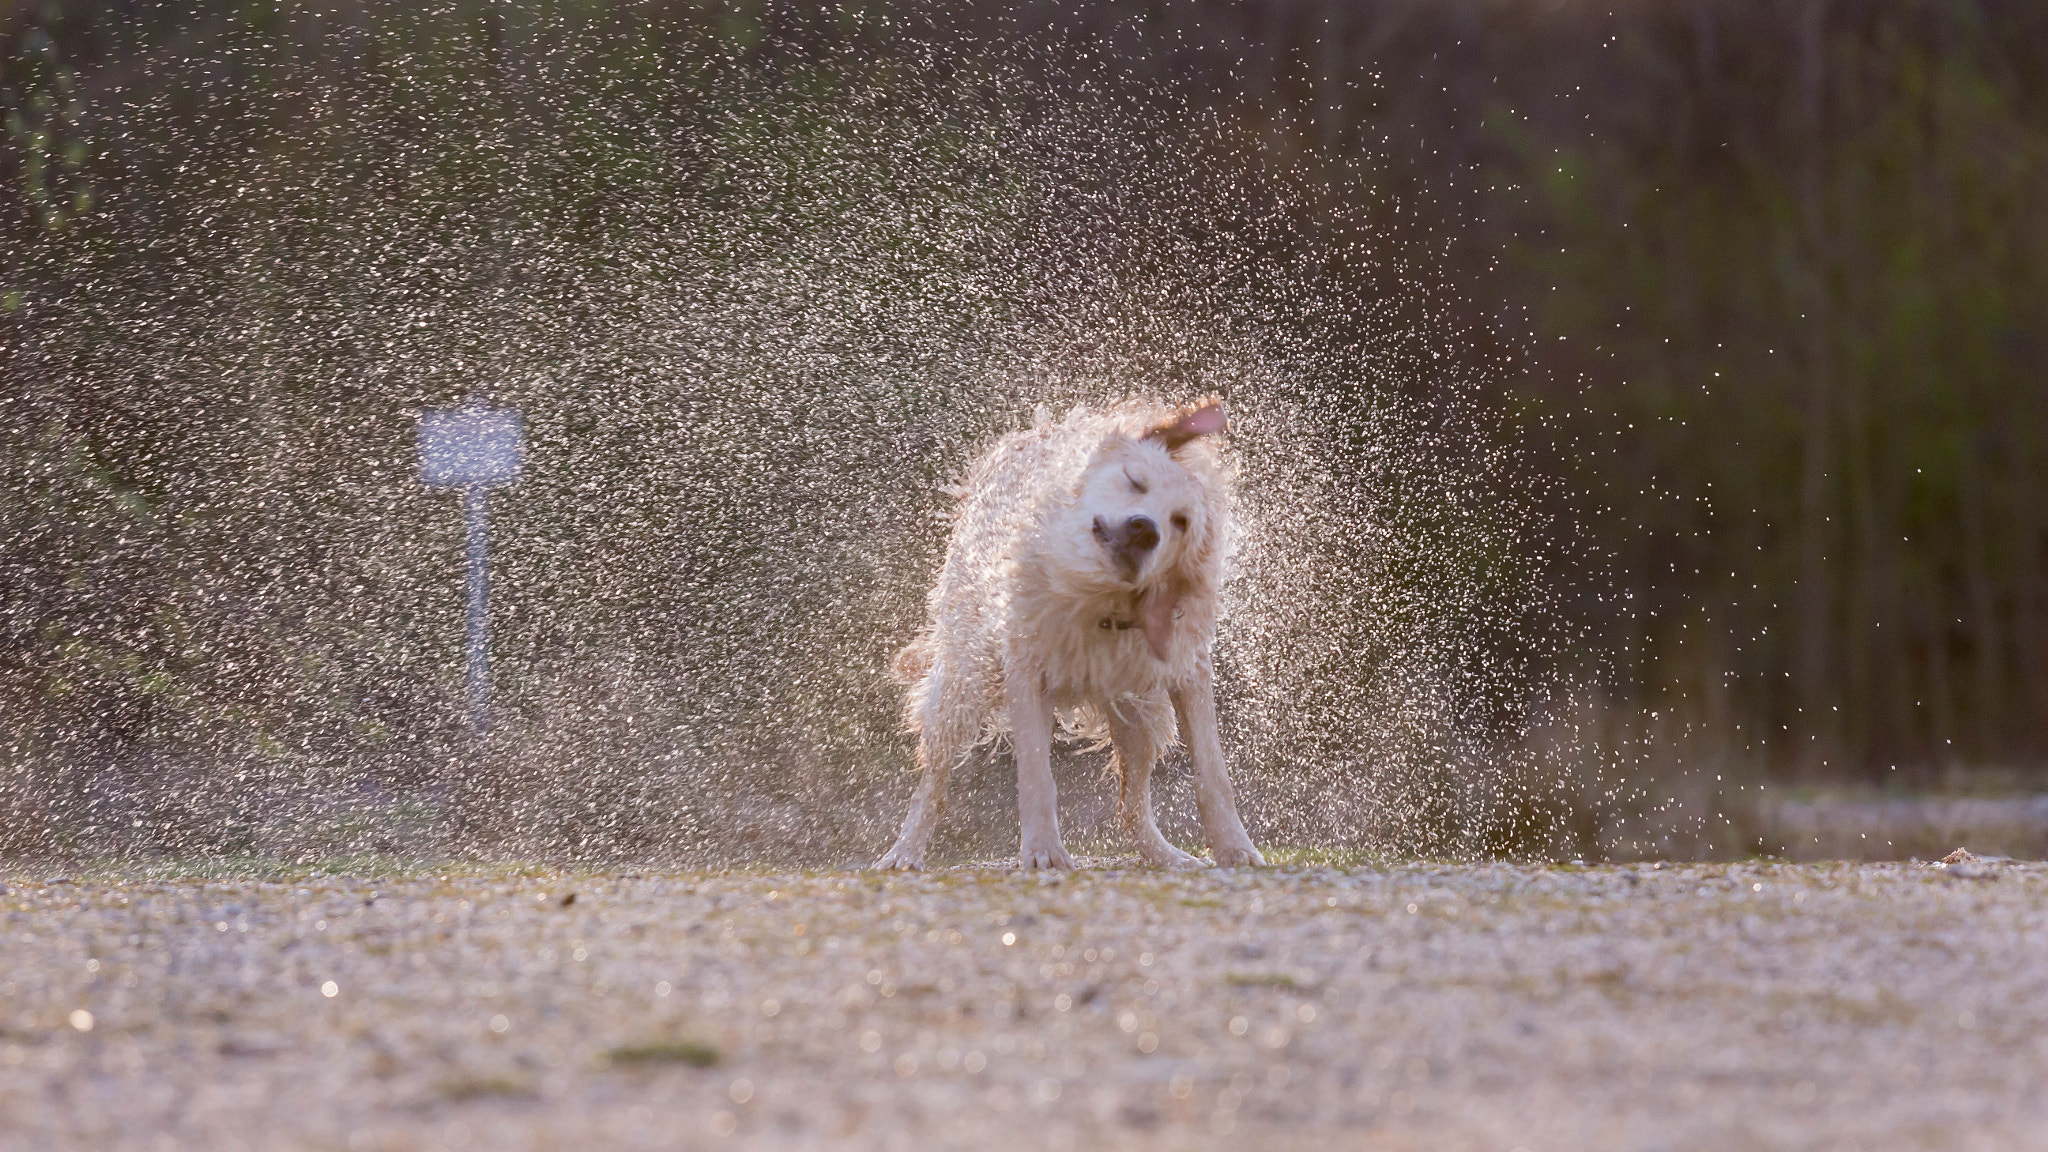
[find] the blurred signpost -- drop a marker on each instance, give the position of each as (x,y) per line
(476,449)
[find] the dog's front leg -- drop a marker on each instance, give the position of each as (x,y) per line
(1038,809)
(1221,825)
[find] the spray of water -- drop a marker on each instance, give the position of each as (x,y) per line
(755,322)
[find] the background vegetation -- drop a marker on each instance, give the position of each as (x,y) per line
(1749,297)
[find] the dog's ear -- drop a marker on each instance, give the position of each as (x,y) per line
(1204,418)
(1156,608)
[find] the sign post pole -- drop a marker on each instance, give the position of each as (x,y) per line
(476,633)
(475,449)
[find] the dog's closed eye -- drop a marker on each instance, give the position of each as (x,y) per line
(1180,521)
(1136,484)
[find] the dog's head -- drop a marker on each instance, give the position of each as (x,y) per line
(1147,515)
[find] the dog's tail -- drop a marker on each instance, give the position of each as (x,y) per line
(911,664)
(913,668)
(1086,724)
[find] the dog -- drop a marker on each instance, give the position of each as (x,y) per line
(1080,587)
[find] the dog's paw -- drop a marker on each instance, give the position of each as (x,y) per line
(1045,857)
(1175,859)
(899,860)
(1238,856)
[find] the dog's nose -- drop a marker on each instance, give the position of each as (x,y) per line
(1141,534)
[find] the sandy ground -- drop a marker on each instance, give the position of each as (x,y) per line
(1399,1006)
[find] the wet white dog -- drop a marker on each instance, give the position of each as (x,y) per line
(1081,582)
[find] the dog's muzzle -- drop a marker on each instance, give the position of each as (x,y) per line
(1129,543)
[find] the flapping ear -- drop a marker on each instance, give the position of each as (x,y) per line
(1204,418)
(1156,608)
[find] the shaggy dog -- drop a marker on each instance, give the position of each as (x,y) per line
(1081,583)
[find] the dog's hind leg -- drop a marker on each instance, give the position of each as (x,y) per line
(1038,807)
(947,724)
(1221,825)
(925,805)
(1137,750)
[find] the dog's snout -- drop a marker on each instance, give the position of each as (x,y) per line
(1129,541)
(1141,534)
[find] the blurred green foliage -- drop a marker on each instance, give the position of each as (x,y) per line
(1797,272)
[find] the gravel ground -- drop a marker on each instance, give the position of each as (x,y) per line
(1390,1006)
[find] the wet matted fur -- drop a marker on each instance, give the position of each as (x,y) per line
(1081,584)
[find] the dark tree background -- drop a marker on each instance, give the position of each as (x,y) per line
(1758,293)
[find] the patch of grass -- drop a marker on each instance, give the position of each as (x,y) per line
(689,1052)
(1884,1007)
(457,1089)
(366,866)
(1260,980)
(1298,856)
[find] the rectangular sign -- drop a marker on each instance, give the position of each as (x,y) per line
(462,447)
